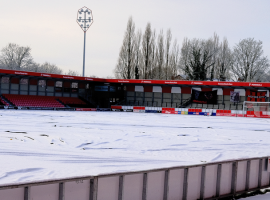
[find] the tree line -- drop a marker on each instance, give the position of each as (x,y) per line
(150,55)
(16,57)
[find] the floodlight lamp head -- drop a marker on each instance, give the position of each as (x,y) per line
(85,20)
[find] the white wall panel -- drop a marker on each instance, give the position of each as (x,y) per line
(226,178)
(77,190)
(133,186)
(157,89)
(254,175)
(108,188)
(139,88)
(210,181)
(12,194)
(176,90)
(194,183)
(241,176)
(45,192)
(155,185)
(176,181)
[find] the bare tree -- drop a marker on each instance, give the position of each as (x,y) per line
(174,60)
(153,56)
(147,51)
(212,45)
(160,56)
(264,76)
(32,67)
(223,61)
(73,73)
(249,61)
(124,68)
(49,68)
(16,57)
(167,53)
(198,58)
(137,53)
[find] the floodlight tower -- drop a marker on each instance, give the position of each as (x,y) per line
(85,20)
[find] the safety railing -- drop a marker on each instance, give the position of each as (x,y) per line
(206,181)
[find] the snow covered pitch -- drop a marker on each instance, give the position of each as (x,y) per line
(39,145)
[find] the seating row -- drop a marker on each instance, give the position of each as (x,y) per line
(42,101)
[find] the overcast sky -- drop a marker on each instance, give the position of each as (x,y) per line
(50,29)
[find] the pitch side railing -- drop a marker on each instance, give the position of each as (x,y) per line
(205,181)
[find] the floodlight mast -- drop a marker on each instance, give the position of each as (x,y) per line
(85,20)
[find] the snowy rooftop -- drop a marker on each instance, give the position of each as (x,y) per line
(38,145)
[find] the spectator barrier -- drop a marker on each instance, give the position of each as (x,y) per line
(205,181)
(192,111)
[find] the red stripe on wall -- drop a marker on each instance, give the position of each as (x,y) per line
(66,84)
(33,82)
(148,88)
(50,83)
(82,85)
(206,89)
(186,90)
(166,89)
(15,80)
(131,88)
(227,91)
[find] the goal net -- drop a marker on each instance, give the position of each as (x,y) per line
(256,109)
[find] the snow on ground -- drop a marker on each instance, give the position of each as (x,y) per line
(259,197)
(38,145)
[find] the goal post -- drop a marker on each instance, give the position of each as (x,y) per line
(256,109)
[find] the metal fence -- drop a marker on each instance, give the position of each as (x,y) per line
(205,181)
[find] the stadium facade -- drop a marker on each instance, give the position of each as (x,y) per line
(170,96)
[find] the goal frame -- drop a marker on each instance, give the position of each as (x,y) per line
(255,102)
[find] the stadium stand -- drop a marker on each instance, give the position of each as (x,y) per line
(33,101)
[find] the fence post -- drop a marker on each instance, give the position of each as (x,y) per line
(185,186)
(218,179)
(144,186)
(166,181)
(202,183)
(247,175)
(61,191)
(27,193)
(120,190)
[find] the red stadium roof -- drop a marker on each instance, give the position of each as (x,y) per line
(140,81)
(37,74)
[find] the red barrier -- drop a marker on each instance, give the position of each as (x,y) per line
(194,110)
(86,109)
(138,108)
(169,111)
(116,107)
(258,114)
(227,113)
